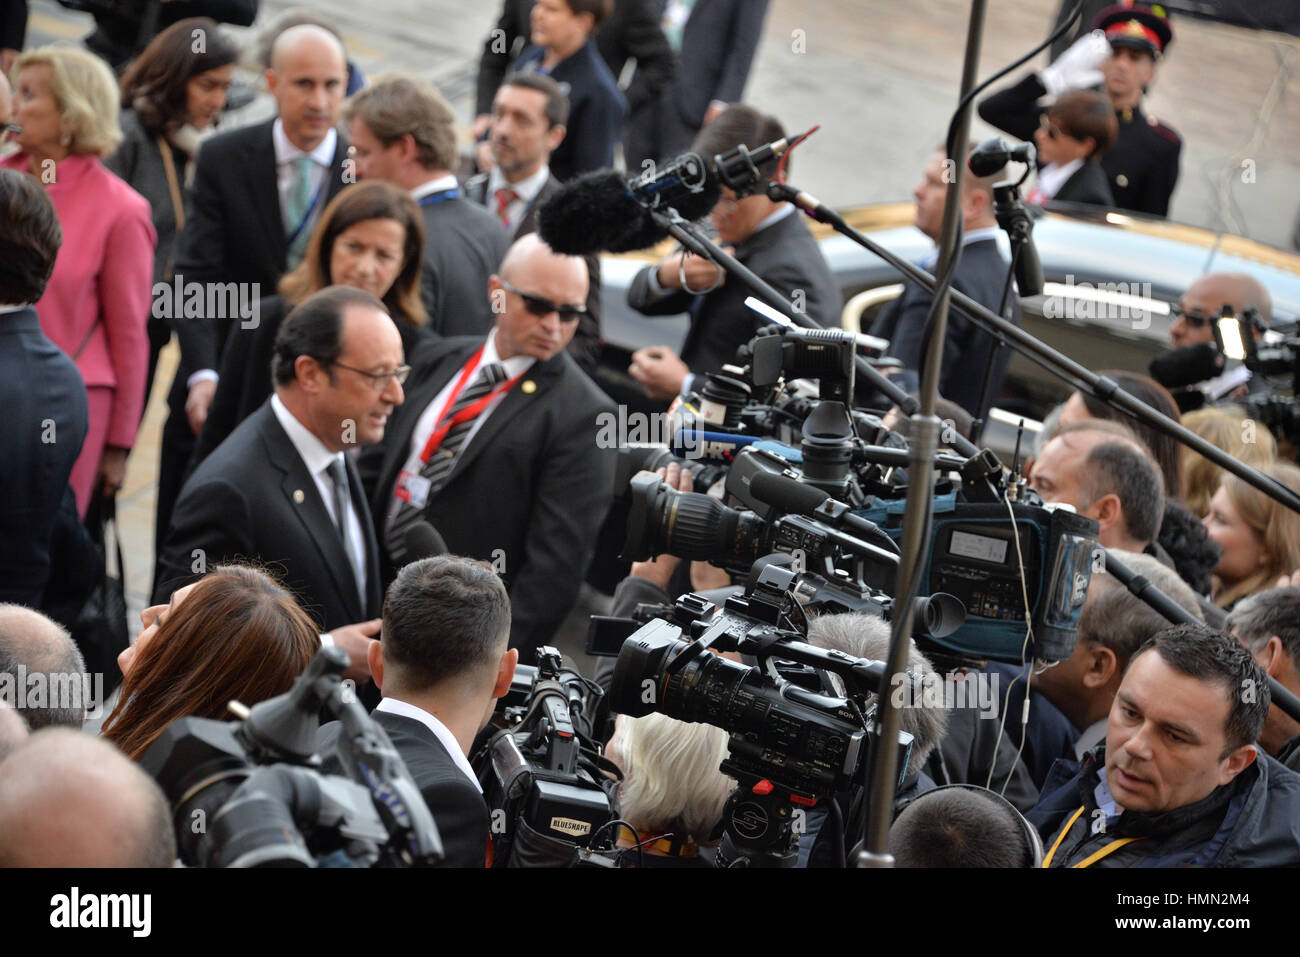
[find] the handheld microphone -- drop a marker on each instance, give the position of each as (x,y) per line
(1029,269)
(423,541)
(992,155)
(1187,365)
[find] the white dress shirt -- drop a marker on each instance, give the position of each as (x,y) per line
(318,459)
(440,731)
(1052,177)
(526,191)
(438,185)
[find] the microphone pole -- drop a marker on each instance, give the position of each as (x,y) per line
(1057,363)
(1176,614)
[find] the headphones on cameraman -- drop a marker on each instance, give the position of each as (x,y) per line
(1033,841)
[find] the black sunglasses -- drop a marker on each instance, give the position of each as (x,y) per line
(540,307)
(1194,319)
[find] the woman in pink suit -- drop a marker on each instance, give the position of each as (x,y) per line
(97,300)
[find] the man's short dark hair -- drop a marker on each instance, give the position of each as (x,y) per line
(1083,114)
(736,125)
(1258,617)
(1124,468)
(42,646)
(444,617)
(1208,655)
(315,328)
(959,827)
(30,238)
(557,101)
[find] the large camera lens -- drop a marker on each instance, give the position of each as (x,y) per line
(687,524)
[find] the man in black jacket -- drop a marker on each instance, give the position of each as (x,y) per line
(258,193)
(1268,624)
(280,490)
(442,662)
(770,238)
(981,274)
(1179,781)
(404,132)
(44,400)
(497,446)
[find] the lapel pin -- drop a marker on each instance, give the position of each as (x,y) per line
(298,497)
(529,387)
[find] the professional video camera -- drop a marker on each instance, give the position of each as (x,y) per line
(801,721)
(250,793)
(542,773)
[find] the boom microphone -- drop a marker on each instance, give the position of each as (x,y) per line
(989,157)
(1187,365)
(423,541)
(796,498)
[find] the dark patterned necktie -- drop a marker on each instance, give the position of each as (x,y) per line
(342,502)
(438,469)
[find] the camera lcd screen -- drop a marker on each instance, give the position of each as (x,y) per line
(986,549)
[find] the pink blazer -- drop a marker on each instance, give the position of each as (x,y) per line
(104,272)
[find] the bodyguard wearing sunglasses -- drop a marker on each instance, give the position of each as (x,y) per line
(496,446)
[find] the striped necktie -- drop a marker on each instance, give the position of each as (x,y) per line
(297,207)
(438,469)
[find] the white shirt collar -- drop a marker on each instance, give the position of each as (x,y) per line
(437,185)
(1092,736)
(774,217)
(311,450)
(286,152)
(18,308)
(931,259)
(513,366)
(526,189)
(440,731)
(1052,177)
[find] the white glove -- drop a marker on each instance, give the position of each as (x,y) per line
(1076,68)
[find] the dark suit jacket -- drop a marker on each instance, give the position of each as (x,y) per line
(458,808)
(1088,184)
(632,31)
(13,24)
(233,230)
(253,498)
(980,275)
(718,45)
(463,245)
(139,162)
(530,490)
(44,400)
(597,111)
(246,372)
(585,346)
(785,255)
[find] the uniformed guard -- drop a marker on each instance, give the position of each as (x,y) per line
(1121,53)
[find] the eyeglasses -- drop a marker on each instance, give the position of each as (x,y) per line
(1051,129)
(379,380)
(1196,320)
(539,307)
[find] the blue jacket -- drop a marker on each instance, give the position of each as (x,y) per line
(1253,821)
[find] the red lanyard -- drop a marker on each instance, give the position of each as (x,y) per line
(443,425)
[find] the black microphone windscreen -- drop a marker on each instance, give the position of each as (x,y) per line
(791,497)
(423,541)
(1029,270)
(1187,365)
(591,214)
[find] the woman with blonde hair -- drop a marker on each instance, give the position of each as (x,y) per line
(97,300)
(672,793)
(1228,428)
(1260,537)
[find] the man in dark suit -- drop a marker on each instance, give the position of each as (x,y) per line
(528,117)
(715,42)
(280,490)
(563,49)
(1142,165)
(632,32)
(497,445)
(770,238)
(404,132)
(441,662)
(258,193)
(981,274)
(42,394)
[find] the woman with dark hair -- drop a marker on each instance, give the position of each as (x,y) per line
(370,236)
(1072,136)
(234,635)
(172,96)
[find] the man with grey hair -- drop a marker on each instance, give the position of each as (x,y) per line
(1268,624)
(1113,624)
(1106,474)
(70,800)
(41,670)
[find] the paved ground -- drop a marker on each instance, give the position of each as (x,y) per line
(881,77)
